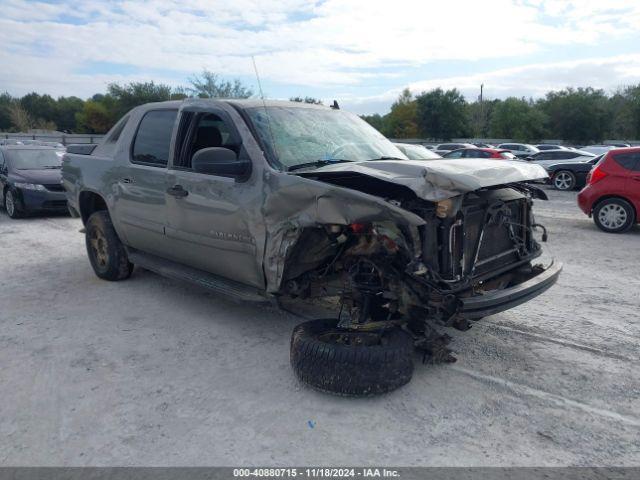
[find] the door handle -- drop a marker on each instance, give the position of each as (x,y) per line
(177,191)
(127,180)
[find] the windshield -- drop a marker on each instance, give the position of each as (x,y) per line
(298,135)
(34,159)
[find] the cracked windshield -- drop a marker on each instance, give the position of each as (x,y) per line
(297,137)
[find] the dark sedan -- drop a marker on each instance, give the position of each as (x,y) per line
(30,180)
(571,175)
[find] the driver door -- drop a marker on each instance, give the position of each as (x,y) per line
(213,222)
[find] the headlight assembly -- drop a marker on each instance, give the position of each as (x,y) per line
(30,186)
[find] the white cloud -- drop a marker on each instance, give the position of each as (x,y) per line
(533,80)
(335,43)
(536,79)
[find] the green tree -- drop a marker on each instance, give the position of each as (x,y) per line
(441,114)
(578,115)
(376,121)
(518,119)
(625,108)
(311,100)
(6,101)
(21,121)
(94,117)
(402,121)
(65,113)
(131,95)
(41,108)
(211,85)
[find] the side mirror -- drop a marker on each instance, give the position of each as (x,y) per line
(219,161)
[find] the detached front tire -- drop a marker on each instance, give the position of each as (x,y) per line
(350,363)
(106,252)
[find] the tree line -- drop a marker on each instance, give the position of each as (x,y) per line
(100,112)
(575,115)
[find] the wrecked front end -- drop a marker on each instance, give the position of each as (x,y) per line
(419,262)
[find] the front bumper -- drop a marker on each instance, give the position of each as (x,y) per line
(36,200)
(479,306)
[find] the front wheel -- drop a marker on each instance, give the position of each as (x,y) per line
(351,363)
(564,180)
(11,204)
(614,215)
(106,252)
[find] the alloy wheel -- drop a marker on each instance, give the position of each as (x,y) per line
(563,181)
(10,204)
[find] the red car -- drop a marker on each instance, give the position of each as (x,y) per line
(481,153)
(612,194)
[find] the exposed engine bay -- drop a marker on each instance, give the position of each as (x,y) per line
(387,274)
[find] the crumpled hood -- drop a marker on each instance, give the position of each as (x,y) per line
(436,180)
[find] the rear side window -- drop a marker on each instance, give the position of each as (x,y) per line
(471,153)
(151,145)
(629,161)
(455,154)
(117,130)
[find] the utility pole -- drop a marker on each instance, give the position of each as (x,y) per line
(481,111)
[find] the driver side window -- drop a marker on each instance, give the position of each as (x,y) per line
(204,130)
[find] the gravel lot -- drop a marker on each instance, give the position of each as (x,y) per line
(154,372)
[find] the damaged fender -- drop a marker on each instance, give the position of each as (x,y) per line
(294,203)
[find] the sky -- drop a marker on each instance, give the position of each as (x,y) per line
(360,52)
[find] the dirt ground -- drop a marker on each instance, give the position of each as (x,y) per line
(154,372)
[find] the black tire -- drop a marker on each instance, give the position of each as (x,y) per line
(106,252)
(350,370)
(564,180)
(12,204)
(614,215)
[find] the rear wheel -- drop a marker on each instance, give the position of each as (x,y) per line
(106,252)
(11,204)
(351,363)
(564,180)
(614,215)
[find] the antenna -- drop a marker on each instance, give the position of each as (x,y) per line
(266,111)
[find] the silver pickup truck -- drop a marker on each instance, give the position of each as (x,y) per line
(265,200)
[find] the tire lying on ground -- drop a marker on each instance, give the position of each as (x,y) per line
(350,363)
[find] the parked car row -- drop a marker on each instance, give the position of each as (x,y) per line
(30,179)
